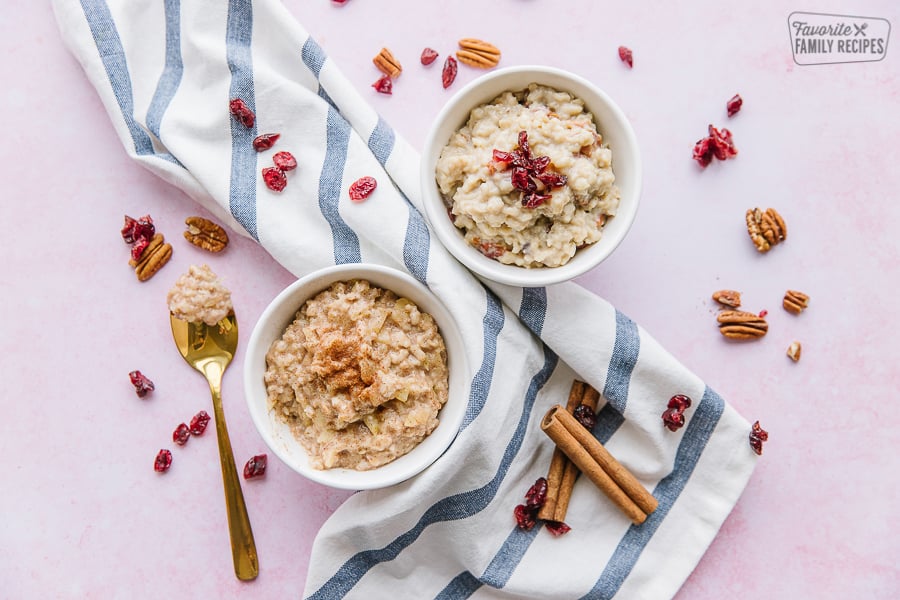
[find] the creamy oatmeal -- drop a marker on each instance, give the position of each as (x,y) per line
(360,375)
(199,295)
(526,220)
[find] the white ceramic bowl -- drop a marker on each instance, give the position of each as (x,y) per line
(277,435)
(612,125)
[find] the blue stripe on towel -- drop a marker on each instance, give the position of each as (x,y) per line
(492,323)
(242,193)
(313,56)
(337,136)
(533,309)
(381,141)
(417,242)
(460,587)
(696,435)
(624,357)
(451,508)
(173,70)
(109,47)
(626,348)
(508,557)
(416,245)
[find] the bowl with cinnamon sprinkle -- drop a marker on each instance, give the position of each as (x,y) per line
(355,376)
(531,176)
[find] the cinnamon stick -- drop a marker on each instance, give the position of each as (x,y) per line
(598,464)
(562,473)
(557,501)
(591,398)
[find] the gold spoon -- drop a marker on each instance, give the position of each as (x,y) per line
(209,349)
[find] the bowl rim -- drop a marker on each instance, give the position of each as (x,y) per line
(285,446)
(490,269)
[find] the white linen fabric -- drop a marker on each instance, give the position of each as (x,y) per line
(166,70)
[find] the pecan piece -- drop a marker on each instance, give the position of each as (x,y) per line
(205,234)
(795,302)
(766,228)
(387,63)
(741,325)
(794,351)
(727,298)
(478,53)
(155,256)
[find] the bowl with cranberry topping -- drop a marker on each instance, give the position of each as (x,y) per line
(355,376)
(531,176)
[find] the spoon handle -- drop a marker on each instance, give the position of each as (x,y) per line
(243,548)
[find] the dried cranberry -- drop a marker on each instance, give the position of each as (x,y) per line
(256,466)
(339,1)
(136,229)
(585,415)
(536,494)
(285,161)
(758,435)
(524,146)
(557,528)
(384,85)
(275,178)
(521,180)
(763,313)
(734,105)
(718,144)
(142,385)
(680,402)
(428,56)
(533,199)
(552,179)
(362,188)
(526,514)
(703,152)
(722,144)
(163,461)
(242,112)
(525,517)
(502,157)
(673,419)
(181,434)
(626,56)
(138,249)
(673,416)
(128,230)
(448,74)
(265,141)
(199,423)
(526,169)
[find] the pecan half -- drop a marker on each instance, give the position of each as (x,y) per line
(741,325)
(478,53)
(766,228)
(387,63)
(794,351)
(205,234)
(795,302)
(727,298)
(155,256)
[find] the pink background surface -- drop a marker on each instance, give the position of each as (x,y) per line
(85,516)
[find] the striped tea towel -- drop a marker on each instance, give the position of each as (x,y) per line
(166,71)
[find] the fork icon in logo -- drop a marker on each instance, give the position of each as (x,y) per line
(860,29)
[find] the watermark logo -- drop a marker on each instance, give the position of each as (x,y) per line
(822,39)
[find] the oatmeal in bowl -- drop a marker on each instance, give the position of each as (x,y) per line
(528,178)
(531,176)
(355,376)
